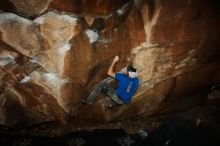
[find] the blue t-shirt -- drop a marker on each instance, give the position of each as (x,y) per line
(126,86)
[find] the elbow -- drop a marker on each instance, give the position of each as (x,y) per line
(110,73)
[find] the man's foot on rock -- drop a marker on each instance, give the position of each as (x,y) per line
(110,106)
(85,102)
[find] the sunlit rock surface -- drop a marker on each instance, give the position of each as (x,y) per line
(54,52)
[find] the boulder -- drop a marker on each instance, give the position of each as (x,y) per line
(54,52)
(12,26)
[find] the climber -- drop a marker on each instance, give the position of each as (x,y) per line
(128,83)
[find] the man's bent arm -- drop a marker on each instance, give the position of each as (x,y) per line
(111,67)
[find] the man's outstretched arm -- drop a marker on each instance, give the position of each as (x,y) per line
(111,67)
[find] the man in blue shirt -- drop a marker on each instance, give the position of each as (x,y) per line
(128,83)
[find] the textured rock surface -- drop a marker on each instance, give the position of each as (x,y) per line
(30,7)
(53,53)
(13,26)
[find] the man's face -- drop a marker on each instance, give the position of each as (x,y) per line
(128,74)
(131,74)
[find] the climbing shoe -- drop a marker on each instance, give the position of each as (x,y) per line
(85,102)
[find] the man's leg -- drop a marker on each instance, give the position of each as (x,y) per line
(114,97)
(100,87)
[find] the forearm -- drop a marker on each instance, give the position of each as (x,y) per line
(111,69)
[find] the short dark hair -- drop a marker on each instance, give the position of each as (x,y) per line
(131,68)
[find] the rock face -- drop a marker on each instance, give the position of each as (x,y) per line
(54,52)
(30,7)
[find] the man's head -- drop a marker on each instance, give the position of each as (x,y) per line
(132,72)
